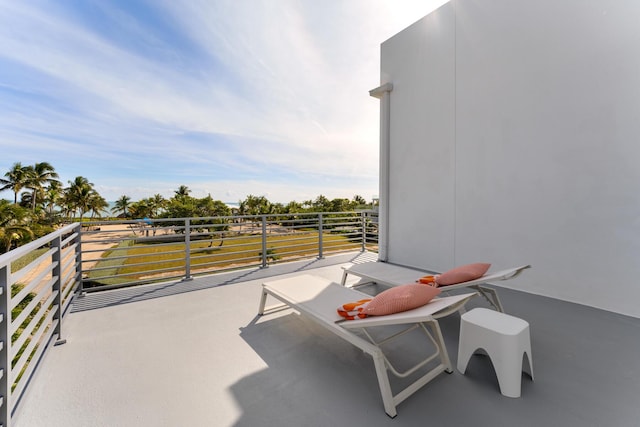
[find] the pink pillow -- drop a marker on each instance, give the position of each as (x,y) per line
(464,273)
(400,298)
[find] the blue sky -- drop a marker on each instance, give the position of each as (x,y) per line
(234,97)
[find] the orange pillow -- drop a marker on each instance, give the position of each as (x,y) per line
(464,273)
(428,280)
(400,298)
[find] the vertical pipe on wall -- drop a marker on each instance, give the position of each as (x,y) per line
(383,93)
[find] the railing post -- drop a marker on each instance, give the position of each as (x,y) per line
(56,260)
(320,248)
(187,250)
(364,231)
(5,349)
(78,241)
(264,242)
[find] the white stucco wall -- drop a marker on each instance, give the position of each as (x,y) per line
(515,139)
(420,63)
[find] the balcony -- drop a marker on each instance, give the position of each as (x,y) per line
(193,353)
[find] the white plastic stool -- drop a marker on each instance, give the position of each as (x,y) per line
(504,338)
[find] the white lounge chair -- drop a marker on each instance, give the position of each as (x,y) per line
(394,275)
(318,298)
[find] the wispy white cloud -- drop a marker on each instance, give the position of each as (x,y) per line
(222,95)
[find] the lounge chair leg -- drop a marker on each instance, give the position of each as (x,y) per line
(344,278)
(385,386)
(442,349)
(263,301)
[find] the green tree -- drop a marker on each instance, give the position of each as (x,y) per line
(39,176)
(359,201)
(53,196)
(97,205)
(14,225)
(322,204)
(256,205)
(182,191)
(293,207)
(121,205)
(15,180)
(157,203)
(78,196)
(340,205)
(141,209)
(307,204)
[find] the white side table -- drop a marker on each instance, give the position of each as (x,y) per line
(504,338)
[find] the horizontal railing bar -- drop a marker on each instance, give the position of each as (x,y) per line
(135,256)
(294,239)
(67,300)
(109,240)
(67,276)
(65,242)
(233,265)
(204,271)
(146,272)
(273,245)
(131,265)
(281,254)
(17,322)
(341,246)
(124,248)
(229,242)
(230,253)
(223,261)
(36,281)
(68,252)
(67,294)
(247,248)
(33,283)
(31,326)
(18,275)
(35,335)
(68,262)
(69,282)
(19,385)
(6,258)
(130,284)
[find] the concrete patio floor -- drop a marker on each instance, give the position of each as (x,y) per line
(195,354)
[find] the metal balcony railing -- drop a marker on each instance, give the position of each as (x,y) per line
(38,280)
(128,253)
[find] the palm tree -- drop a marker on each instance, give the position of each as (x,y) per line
(53,197)
(358,200)
(121,205)
(16,179)
(322,204)
(14,224)
(97,204)
(141,209)
(156,203)
(38,177)
(293,207)
(78,195)
(182,191)
(257,205)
